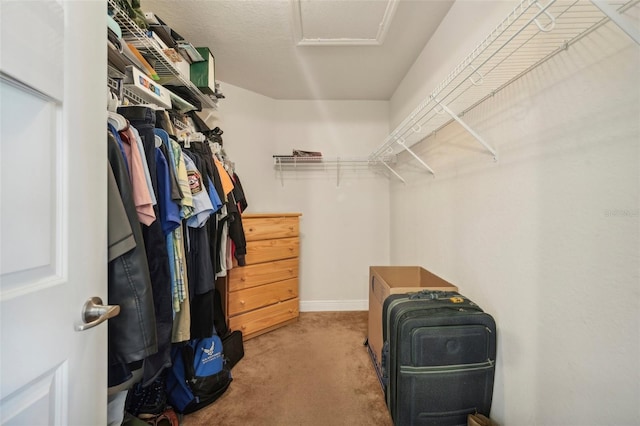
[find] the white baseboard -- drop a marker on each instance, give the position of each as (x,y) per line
(333,305)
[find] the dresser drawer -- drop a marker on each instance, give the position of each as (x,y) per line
(257,297)
(262,273)
(264,228)
(261,251)
(264,318)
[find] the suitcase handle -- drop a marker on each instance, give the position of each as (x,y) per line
(438,295)
(455,299)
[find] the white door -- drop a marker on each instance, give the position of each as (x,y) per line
(53,229)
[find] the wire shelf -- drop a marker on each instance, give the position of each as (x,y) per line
(132,33)
(295,161)
(532,33)
(283,163)
(179,125)
(124,92)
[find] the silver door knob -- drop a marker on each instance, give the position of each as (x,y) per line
(94,313)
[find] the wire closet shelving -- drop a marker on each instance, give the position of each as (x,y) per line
(283,163)
(163,66)
(532,33)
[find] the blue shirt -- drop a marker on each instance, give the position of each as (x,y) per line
(169,209)
(213,194)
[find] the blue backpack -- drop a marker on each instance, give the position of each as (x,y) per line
(199,374)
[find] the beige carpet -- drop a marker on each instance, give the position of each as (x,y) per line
(314,372)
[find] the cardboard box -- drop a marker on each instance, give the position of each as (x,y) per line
(387,280)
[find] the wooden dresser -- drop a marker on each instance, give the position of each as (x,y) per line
(263,295)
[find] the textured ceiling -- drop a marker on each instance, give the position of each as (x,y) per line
(331,22)
(255,43)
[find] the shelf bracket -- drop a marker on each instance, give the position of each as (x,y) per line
(393,171)
(467,128)
(281,173)
(401,142)
(625,23)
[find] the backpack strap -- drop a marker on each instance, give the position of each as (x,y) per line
(187,360)
(220,326)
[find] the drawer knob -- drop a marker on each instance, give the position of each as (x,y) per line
(290,248)
(291,270)
(250,229)
(242,302)
(244,327)
(243,279)
(291,228)
(290,311)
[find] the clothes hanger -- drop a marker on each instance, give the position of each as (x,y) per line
(188,137)
(230,166)
(183,138)
(117,120)
(196,137)
(112,102)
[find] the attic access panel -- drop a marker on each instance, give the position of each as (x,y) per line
(340,22)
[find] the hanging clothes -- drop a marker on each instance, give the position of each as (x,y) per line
(242,204)
(132,333)
(238,193)
(175,242)
(120,234)
(143,119)
(188,225)
(236,230)
(200,270)
(180,296)
(143,157)
(141,196)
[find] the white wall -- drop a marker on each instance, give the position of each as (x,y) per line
(548,238)
(345,224)
(247,121)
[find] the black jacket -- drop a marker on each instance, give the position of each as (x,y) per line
(132,334)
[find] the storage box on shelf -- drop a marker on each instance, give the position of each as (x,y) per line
(387,280)
(146,88)
(263,295)
(203,74)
